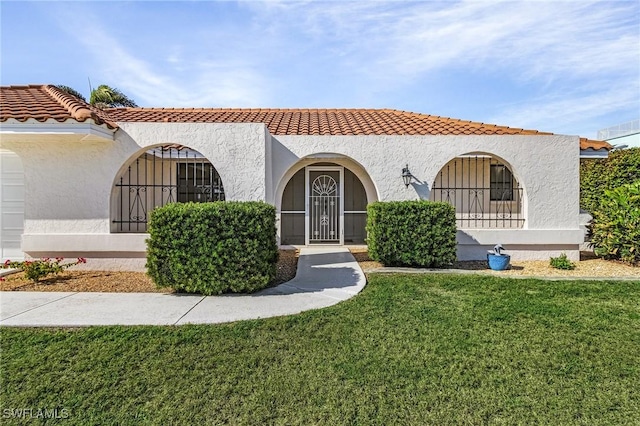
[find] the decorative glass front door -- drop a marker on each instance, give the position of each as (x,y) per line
(325,206)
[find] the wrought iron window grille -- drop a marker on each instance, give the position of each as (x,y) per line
(483,191)
(161,176)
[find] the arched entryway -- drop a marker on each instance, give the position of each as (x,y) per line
(159,176)
(323,203)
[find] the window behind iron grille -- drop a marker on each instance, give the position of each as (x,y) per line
(198,182)
(501,181)
(162,175)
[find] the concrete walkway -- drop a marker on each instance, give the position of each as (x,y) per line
(325,276)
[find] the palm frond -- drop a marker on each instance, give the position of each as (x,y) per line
(71,91)
(108,97)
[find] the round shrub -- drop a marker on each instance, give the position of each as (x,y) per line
(213,248)
(412,233)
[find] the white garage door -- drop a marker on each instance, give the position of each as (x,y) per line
(11,205)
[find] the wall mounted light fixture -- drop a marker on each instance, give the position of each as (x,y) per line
(406,176)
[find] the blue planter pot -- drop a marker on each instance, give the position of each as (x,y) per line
(498,262)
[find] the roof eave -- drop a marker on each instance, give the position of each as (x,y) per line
(591,153)
(14,130)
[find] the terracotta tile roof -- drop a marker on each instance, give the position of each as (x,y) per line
(330,122)
(595,145)
(320,121)
(44,102)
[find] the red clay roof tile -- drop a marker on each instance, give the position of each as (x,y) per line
(45,102)
(593,144)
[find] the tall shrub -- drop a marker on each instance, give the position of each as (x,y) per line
(616,226)
(213,248)
(596,176)
(412,233)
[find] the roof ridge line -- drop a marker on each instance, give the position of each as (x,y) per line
(78,109)
(72,104)
(251,109)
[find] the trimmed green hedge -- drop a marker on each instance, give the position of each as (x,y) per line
(412,233)
(213,248)
(596,176)
(615,232)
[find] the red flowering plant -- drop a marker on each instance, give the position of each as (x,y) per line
(40,268)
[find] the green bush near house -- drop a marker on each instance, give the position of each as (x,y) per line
(213,248)
(562,262)
(622,167)
(412,233)
(615,231)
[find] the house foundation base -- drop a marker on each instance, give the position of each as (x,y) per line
(521,252)
(127,252)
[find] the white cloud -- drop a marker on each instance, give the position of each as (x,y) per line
(197,83)
(538,38)
(180,79)
(563,112)
(558,63)
(578,60)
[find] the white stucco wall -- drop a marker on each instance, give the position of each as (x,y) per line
(69,181)
(66,184)
(237,151)
(547,167)
(69,184)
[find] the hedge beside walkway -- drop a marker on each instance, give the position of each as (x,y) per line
(412,233)
(213,248)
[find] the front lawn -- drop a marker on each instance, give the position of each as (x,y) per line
(410,349)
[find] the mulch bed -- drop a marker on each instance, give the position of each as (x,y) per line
(139,282)
(588,266)
(122,282)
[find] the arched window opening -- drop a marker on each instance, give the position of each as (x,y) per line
(163,175)
(483,191)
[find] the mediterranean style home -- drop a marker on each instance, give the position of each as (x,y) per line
(80,181)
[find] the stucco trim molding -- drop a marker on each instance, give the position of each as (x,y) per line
(81,243)
(519,236)
(521,244)
(15,131)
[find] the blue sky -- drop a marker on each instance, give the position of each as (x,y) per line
(569,67)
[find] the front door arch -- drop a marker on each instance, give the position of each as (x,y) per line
(323,203)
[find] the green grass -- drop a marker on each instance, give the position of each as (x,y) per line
(410,349)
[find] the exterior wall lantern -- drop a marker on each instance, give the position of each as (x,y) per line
(407,176)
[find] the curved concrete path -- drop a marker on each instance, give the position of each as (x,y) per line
(325,276)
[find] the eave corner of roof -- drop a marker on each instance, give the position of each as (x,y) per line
(78,109)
